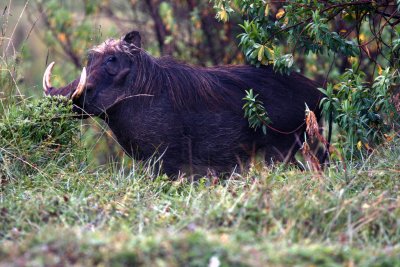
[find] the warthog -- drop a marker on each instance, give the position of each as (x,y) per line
(190,115)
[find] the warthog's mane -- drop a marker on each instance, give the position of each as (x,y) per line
(115,45)
(187,85)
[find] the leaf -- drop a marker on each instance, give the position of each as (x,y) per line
(359,145)
(266,12)
(62,37)
(380,69)
(367,146)
(280,13)
(261,53)
(222,15)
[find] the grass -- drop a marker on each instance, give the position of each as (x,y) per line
(75,213)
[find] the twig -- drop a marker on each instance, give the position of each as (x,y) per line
(15,27)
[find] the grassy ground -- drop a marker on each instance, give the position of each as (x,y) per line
(58,212)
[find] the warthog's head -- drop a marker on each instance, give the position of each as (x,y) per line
(105,80)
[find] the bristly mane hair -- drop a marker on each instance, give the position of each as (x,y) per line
(186,85)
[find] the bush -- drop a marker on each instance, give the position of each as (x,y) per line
(325,39)
(37,134)
(365,115)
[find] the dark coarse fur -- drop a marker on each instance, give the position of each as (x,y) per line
(193,115)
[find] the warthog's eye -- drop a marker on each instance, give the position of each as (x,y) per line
(111,59)
(112,66)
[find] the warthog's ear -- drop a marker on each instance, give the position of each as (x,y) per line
(133,38)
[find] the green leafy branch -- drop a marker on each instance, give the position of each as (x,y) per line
(305,26)
(255,112)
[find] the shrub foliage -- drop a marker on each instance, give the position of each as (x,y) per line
(36,134)
(360,39)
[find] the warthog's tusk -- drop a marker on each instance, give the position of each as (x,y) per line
(46,78)
(81,86)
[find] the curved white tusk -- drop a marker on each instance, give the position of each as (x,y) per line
(46,78)
(81,85)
